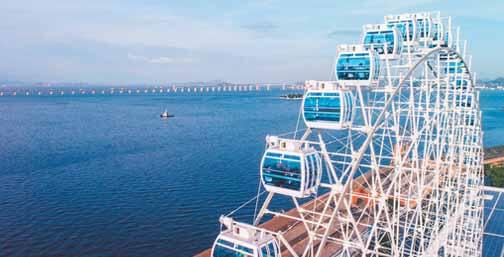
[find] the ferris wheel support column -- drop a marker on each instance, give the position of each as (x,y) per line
(287,245)
(361,100)
(445,232)
(263,209)
(305,223)
(327,158)
(306,134)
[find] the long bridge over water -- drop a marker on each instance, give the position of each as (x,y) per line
(158,90)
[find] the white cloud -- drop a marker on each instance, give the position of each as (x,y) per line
(134,57)
(161,59)
(92,36)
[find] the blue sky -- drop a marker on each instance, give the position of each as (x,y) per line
(154,41)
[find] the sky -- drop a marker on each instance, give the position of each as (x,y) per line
(161,41)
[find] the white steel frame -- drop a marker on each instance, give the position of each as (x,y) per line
(406,177)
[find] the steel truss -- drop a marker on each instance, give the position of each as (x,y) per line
(405,178)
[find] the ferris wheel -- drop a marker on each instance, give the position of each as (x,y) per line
(387,160)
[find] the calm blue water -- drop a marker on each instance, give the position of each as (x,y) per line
(104,176)
(492,105)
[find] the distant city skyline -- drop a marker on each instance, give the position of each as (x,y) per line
(241,42)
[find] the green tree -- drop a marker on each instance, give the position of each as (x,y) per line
(495,175)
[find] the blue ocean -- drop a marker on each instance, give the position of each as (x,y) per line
(105,176)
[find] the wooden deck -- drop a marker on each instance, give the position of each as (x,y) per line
(296,233)
(494,161)
(494,155)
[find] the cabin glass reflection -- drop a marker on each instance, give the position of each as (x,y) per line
(378,40)
(406,28)
(328,109)
(282,170)
(353,66)
(322,106)
(225,248)
(424,26)
(291,168)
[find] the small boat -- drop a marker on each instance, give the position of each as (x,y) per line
(292,96)
(166,115)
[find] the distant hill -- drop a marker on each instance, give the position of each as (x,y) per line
(496,80)
(200,83)
(10,83)
(492,82)
(499,80)
(13,83)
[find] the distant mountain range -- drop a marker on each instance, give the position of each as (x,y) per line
(497,80)
(492,82)
(10,83)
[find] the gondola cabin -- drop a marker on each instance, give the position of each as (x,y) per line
(460,83)
(424,26)
(439,37)
(470,118)
(465,100)
(446,55)
(455,67)
(406,24)
(242,240)
(327,105)
(290,167)
(357,65)
(386,41)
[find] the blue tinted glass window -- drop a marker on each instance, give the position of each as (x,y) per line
(326,108)
(264,251)
(224,242)
(272,249)
(423,28)
(292,157)
(411,30)
(312,166)
(406,29)
(345,118)
(461,84)
(349,106)
(353,67)
(470,121)
(435,31)
(274,154)
(464,101)
(376,67)
(308,173)
(282,172)
(378,40)
(445,39)
(245,249)
(454,67)
(222,251)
